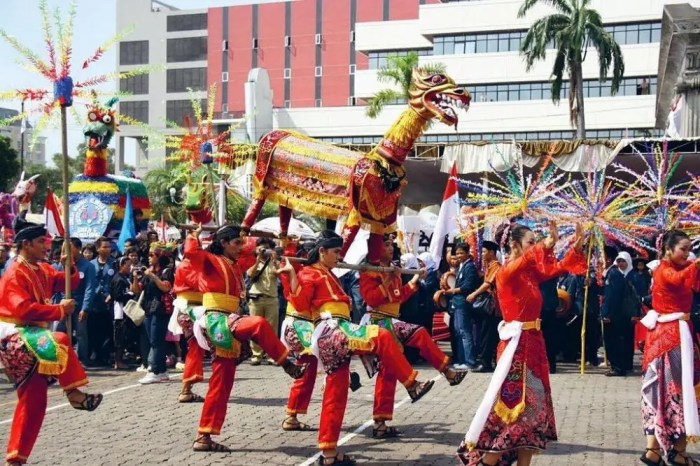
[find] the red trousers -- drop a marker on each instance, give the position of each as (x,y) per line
(32,398)
(335,396)
(303,388)
(223,371)
(194,362)
(385,388)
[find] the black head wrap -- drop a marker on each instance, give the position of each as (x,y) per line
(489,246)
(327,239)
(225,233)
(303,249)
(25,230)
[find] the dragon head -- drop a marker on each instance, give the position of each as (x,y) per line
(101,126)
(25,189)
(437,96)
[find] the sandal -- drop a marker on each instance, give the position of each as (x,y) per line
(419,389)
(457,378)
(687,459)
(288,426)
(648,462)
(190,398)
(355,384)
(206,444)
(89,402)
(339,459)
(385,431)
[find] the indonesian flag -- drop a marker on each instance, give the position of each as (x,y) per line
(52,217)
(447,218)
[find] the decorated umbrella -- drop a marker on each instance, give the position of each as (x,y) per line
(272,225)
(51,102)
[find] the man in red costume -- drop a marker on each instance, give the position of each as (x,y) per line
(223,330)
(187,298)
(384,293)
(33,356)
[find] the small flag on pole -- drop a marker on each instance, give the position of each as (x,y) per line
(447,218)
(52,217)
(128,228)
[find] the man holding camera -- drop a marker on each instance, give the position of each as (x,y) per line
(263,299)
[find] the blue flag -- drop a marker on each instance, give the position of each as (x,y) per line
(128,228)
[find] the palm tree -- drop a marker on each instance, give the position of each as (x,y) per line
(397,71)
(572,30)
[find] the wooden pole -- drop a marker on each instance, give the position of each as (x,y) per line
(585,305)
(66,211)
(254,233)
(363,267)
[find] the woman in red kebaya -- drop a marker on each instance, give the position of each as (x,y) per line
(335,340)
(671,365)
(516,416)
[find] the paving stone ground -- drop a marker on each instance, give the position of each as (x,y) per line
(597,417)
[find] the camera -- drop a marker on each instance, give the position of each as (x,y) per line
(139,271)
(265,253)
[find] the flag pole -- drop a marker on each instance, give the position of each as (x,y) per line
(66,212)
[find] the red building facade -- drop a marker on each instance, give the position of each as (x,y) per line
(306,46)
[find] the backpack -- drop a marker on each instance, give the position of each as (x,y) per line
(631,304)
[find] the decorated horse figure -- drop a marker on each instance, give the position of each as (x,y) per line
(94,190)
(300,173)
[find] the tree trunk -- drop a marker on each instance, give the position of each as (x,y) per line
(580,113)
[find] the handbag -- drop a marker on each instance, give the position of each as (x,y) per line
(484,305)
(134,311)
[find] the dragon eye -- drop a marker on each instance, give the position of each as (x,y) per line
(106,119)
(438,78)
(92,116)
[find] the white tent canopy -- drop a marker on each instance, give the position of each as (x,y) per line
(272,225)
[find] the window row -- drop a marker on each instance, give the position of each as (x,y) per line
(193,22)
(543,90)
(378,60)
(138,110)
(133,52)
(135,85)
(186,49)
(511,41)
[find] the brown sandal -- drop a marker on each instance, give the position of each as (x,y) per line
(384,431)
(457,377)
(190,398)
(419,390)
(89,402)
(295,426)
(339,459)
(206,444)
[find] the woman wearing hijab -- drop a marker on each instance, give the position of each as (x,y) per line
(429,286)
(619,328)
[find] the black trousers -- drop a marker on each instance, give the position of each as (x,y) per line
(552,333)
(619,344)
(488,340)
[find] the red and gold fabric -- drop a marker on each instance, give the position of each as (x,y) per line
(32,356)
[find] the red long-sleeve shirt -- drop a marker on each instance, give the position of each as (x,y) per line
(318,290)
(212,273)
(26,290)
(384,300)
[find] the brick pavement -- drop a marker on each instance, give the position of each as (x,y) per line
(598,420)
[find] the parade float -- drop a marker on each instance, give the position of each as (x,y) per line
(97,199)
(304,174)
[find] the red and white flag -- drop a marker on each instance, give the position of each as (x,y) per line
(447,218)
(52,217)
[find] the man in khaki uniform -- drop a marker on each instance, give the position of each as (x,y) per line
(262,298)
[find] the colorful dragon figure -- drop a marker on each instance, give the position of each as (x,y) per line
(300,173)
(111,190)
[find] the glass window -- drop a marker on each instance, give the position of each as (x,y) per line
(632,34)
(492,43)
(470,46)
(187,49)
(481,45)
(134,85)
(138,110)
(459,48)
(178,80)
(449,47)
(193,22)
(503,43)
(439,48)
(180,111)
(656,33)
(133,52)
(645,34)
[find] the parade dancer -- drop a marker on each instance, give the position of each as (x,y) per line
(335,340)
(384,293)
(222,330)
(516,415)
(297,328)
(33,356)
(187,299)
(671,365)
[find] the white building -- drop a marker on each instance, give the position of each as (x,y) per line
(33,154)
(478,41)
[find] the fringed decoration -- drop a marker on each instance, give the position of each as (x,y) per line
(96,163)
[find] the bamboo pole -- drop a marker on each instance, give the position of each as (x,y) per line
(363,267)
(585,305)
(66,212)
(254,233)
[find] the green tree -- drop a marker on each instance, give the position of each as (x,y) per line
(10,165)
(573,29)
(398,71)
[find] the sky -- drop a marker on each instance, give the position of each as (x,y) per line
(94,24)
